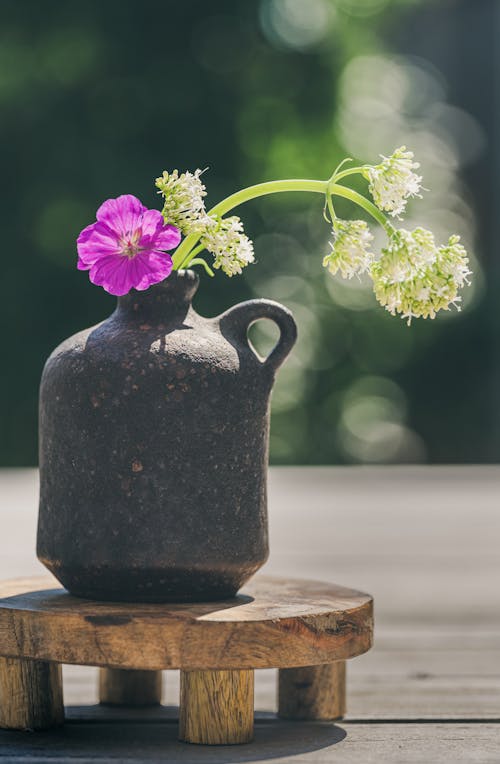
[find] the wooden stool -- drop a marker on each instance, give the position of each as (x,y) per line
(305,629)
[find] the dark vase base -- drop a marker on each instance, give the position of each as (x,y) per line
(150,585)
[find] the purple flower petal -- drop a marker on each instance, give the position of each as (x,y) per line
(153,267)
(112,273)
(156,235)
(83,266)
(167,238)
(96,241)
(152,222)
(122,215)
(85,234)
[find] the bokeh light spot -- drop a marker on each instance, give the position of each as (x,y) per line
(295,23)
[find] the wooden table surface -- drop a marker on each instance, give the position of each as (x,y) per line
(423,540)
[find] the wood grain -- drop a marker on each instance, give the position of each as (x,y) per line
(216,707)
(273,623)
(312,692)
(30,694)
(127,687)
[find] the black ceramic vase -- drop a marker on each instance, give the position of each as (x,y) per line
(153,449)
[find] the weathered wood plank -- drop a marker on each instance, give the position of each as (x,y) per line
(288,742)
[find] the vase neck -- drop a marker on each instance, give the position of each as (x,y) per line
(166,302)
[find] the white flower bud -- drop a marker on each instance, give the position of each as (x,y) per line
(183,200)
(393,181)
(226,240)
(350,248)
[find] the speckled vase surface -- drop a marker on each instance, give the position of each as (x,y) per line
(154,447)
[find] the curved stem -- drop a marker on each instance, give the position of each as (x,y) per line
(271,187)
(329,203)
(366,204)
(337,169)
(191,255)
(201,261)
(351,171)
(275,187)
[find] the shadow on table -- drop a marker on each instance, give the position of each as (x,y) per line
(155,740)
(57,600)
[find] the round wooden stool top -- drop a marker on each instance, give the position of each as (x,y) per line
(272,623)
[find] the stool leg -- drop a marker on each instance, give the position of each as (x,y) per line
(31,695)
(312,692)
(128,687)
(216,707)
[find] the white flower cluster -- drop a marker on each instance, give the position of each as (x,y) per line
(407,253)
(183,199)
(415,278)
(393,181)
(226,240)
(184,207)
(350,248)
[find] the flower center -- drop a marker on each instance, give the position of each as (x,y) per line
(129,244)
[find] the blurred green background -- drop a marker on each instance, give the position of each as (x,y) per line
(97,98)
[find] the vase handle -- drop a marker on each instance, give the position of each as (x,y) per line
(236,322)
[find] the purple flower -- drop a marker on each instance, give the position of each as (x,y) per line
(126,247)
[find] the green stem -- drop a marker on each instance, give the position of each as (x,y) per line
(191,255)
(184,249)
(366,204)
(201,261)
(329,204)
(350,171)
(262,189)
(275,187)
